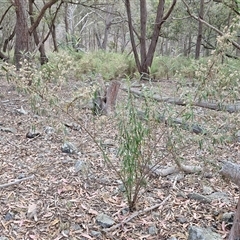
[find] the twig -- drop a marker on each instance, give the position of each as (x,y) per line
(16,181)
(138,213)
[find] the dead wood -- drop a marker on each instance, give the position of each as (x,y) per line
(232,172)
(104,101)
(136,214)
(16,181)
(231,108)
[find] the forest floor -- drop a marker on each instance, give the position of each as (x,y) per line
(62,201)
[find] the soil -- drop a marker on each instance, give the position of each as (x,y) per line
(59,202)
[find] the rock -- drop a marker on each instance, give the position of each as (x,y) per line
(21,111)
(95,233)
(32,134)
(172,238)
(9,216)
(68,147)
(48,130)
(175,177)
(104,220)
(152,230)
(227,217)
(182,219)
(6,129)
(207,190)
(80,165)
(197,233)
(199,197)
(3,238)
(219,196)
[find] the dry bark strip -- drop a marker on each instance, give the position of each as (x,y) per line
(231,108)
(136,214)
(16,181)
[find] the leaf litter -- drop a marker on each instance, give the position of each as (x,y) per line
(59,203)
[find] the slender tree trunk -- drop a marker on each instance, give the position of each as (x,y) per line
(143,22)
(22,35)
(200,31)
(43,56)
(146,56)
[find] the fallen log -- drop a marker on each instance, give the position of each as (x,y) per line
(231,108)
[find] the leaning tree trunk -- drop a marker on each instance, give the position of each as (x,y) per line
(232,171)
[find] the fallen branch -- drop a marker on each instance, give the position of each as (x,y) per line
(16,181)
(136,214)
(231,108)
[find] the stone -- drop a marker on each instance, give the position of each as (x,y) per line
(199,197)
(48,130)
(95,233)
(219,196)
(197,233)
(9,130)
(104,220)
(68,147)
(80,165)
(207,190)
(152,230)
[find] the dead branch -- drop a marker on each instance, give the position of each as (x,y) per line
(231,108)
(16,181)
(136,214)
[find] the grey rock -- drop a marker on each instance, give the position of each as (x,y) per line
(6,129)
(227,217)
(182,220)
(152,230)
(48,130)
(104,220)
(9,216)
(95,233)
(75,227)
(175,177)
(21,111)
(197,233)
(68,147)
(3,238)
(172,238)
(219,196)
(207,190)
(199,197)
(80,165)
(182,195)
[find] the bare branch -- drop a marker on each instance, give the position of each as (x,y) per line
(16,181)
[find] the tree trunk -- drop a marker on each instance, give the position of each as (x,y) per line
(105,100)
(147,56)
(200,31)
(232,171)
(43,56)
(22,35)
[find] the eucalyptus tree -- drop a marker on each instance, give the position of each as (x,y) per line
(144,61)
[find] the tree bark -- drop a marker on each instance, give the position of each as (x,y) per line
(147,55)
(43,56)
(104,101)
(200,31)
(22,35)
(232,171)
